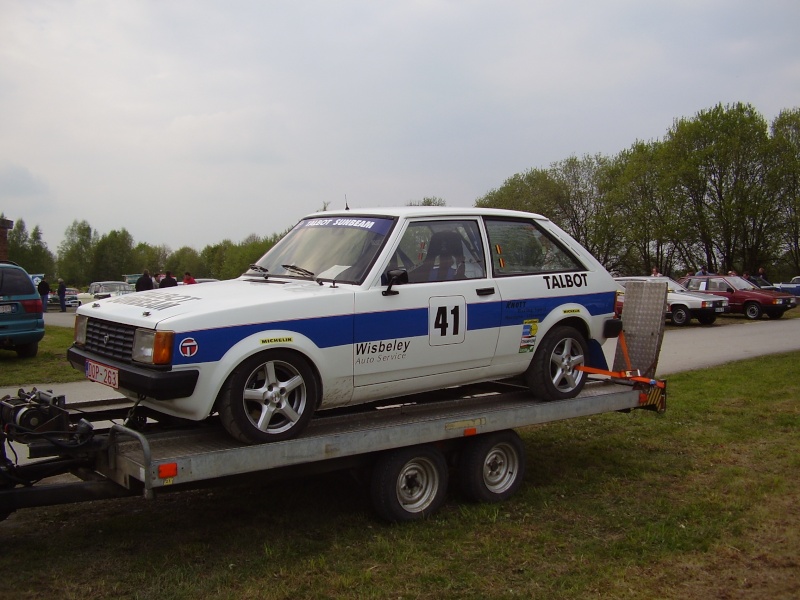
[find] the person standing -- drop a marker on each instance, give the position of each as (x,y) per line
(168,280)
(44,292)
(145,282)
(188,279)
(62,295)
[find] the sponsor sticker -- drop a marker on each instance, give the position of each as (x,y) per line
(277,340)
(530,328)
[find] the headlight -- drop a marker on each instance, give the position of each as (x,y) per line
(152,347)
(80,329)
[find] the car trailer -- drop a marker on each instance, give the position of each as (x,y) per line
(406,444)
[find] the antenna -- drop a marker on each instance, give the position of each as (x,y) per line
(346,207)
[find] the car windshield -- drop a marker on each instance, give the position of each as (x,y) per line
(328,248)
(740,284)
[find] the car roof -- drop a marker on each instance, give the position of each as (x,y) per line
(429,211)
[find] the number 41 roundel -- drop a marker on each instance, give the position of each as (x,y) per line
(447,320)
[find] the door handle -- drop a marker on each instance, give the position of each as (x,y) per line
(485,291)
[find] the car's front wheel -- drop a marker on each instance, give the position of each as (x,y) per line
(752,310)
(270,397)
(680,315)
(553,372)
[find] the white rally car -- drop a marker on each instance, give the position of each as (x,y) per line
(350,308)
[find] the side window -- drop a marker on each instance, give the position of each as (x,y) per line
(717,285)
(521,248)
(440,251)
(693,284)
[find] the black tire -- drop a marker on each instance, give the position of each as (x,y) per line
(491,467)
(753,311)
(707,319)
(552,374)
(27,350)
(409,484)
(270,397)
(680,315)
(775,315)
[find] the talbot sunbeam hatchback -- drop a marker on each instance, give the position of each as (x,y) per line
(355,307)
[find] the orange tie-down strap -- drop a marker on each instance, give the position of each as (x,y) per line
(652,392)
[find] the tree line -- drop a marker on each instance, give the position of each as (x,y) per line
(721,189)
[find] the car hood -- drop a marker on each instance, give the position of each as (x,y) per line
(705,297)
(240,300)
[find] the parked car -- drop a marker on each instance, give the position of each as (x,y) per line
(743,297)
(792,287)
(71,299)
(683,305)
(350,308)
(21,317)
(99,290)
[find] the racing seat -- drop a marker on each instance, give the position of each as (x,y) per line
(444,260)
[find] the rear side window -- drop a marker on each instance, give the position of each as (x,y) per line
(14,282)
(521,248)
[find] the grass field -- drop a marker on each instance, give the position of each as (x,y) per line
(701,502)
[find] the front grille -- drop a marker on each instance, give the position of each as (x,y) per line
(113,340)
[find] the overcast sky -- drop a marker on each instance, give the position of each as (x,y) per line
(191,121)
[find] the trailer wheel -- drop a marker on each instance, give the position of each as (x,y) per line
(409,483)
(553,374)
(491,467)
(707,319)
(269,397)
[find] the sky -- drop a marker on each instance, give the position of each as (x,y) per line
(188,122)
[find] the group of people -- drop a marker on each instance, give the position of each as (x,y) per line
(44,293)
(146,282)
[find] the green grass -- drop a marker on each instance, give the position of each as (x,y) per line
(701,502)
(49,366)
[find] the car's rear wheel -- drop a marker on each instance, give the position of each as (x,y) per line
(553,372)
(752,310)
(680,315)
(27,350)
(270,397)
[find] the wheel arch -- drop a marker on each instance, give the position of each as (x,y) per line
(301,347)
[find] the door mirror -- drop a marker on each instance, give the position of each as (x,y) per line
(396,276)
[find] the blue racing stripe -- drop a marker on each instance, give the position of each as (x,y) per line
(342,330)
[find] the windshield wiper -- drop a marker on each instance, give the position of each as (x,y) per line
(298,270)
(260,269)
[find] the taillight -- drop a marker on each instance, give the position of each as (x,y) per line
(32,306)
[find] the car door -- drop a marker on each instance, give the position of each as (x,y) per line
(443,320)
(540,282)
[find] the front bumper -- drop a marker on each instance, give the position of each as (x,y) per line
(158,385)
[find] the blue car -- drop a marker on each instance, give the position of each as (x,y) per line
(21,318)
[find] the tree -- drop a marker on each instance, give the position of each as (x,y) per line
(76,252)
(585,211)
(656,225)
(428,201)
(535,190)
(185,259)
(719,160)
(29,250)
(784,182)
(113,256)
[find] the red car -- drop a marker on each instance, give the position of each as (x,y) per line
(743,296)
